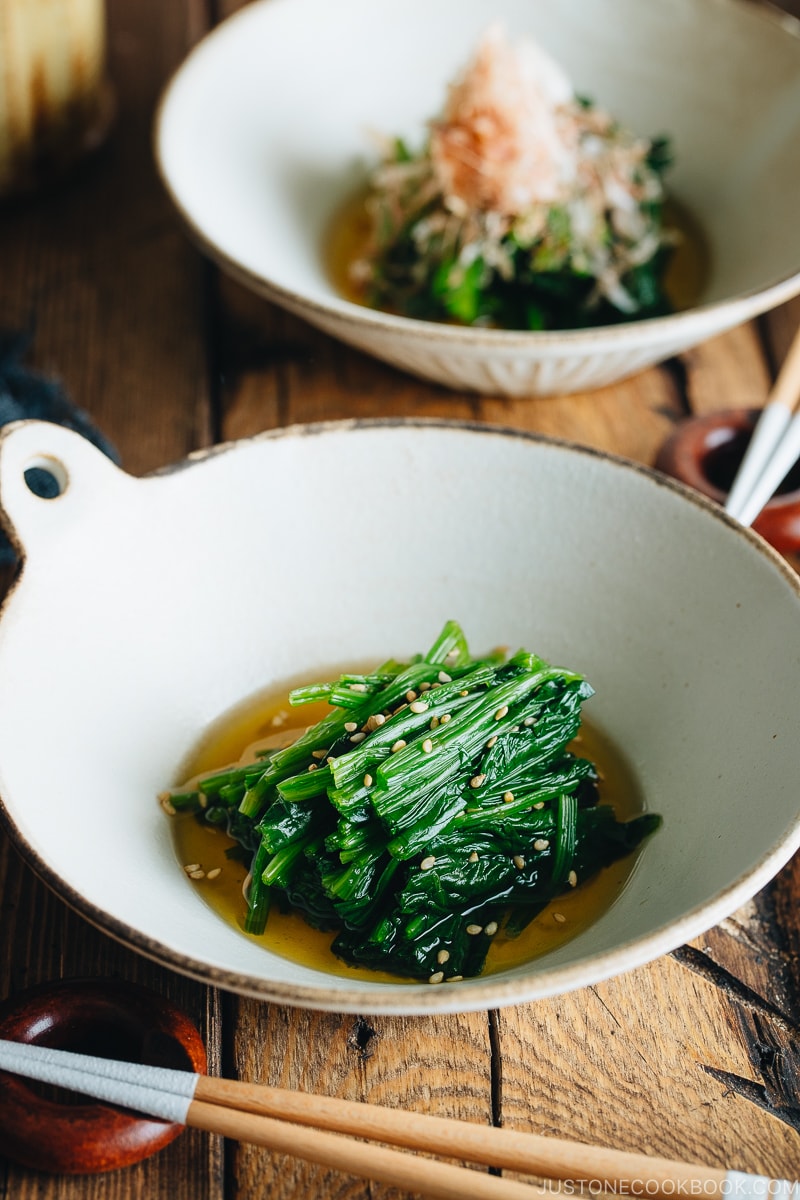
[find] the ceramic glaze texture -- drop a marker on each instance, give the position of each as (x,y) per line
(113,661)
(265,130)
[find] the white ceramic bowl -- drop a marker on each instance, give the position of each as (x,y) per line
(143,612)
(265,130)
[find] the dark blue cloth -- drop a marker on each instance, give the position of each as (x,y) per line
(25,394)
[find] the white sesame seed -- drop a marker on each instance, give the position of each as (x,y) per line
(572,879)
(367,781)
(427,745)
(451,654)
(443,956)
(357,687)
(351,726)
(559,917)
(375,721)
(454,979)
(515,728)
(330,760)
(491,928)
(399,745)
(312,766)
(465,692)
(473,930)
(444,718)
(501,712)
(491,742)
(400,708)
(168,807)
(508,797)
(425,687)
(436,977)
(355,738)
(197,874)
(202,800)
(519,862)
(528,722)
(434,723)
(319,753)
(474,856)
(189,867)
(443,677)
(477,780)
(428,862)
(214,873)
(418,706)
(539,805)
(541,844)
(411,694)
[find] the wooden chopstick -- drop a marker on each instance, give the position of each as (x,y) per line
(774,446)
(280,1119)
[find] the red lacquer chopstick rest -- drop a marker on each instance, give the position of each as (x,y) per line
(96,1016)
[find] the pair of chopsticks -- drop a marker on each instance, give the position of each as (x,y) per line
(279,1119)
(774,447)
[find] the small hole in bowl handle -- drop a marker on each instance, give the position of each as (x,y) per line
(46,477)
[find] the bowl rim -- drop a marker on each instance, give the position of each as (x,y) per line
(752,301)
(415,999)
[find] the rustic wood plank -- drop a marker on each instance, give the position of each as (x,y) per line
(432,1064)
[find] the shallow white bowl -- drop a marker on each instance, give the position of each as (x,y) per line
(144,611)
(265,130)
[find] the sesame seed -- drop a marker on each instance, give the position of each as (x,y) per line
(455,979)
(427,745)
(443,677)
(355,738)
(367,781)
(330,760)
(435,685)
(279,719)
(515,728)
(375,721)
(436,977)
(491,928)
(400,708)
(559,917)
(541,844)
(197,874)
(444,718)
(528,722)
(399,745)
(508,797)
(189,867)
(473,857)
(539,805)
(425,687)
(418,706)
(312,766)
(411,694)
(477,780)
(501,712)
(202,800)
(443,956)
(451,655)
(464,693)
(473,930)
(572,879)
(319,753)
(351,726)
(214,873)
(357,687)
(428,862)
(168,807)
(519,861)
(434,723)
(491,742)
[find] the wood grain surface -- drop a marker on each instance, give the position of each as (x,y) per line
(694,1057)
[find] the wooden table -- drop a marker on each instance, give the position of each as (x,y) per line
(693,1057)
